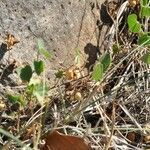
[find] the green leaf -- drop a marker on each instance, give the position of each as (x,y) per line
(134,25)
(39,92)
(26,73)
(145,11)
(30,89)
(38,67)
(97,73)
(77,56)
(35,80)
(16,99)
(105,60)
(146,58)
(144,39)
(101,67)
(42,49)
(144,2)
(32,84)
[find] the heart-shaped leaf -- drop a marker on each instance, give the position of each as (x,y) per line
(134,25)
(38,67)
(144,39)
(26,73)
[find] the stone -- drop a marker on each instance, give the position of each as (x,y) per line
(63,25)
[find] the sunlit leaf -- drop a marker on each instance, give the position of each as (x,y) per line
(134,25)
(144,39)
(105,60)
(145,11)
(78,56)
(97,73)
(42,49)
(40,92)
(35,81)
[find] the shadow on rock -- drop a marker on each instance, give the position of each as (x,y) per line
(104,16)
(3,50)
(5,72)
(92,52)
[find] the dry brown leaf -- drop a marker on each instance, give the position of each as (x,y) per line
(70,75)
(73,73)
(57,141)
(133,3)
(131,136)
(11,40)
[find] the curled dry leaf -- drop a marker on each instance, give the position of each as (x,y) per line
(70,75)
(11,40)
(73,73)
(133,3)
(57,141)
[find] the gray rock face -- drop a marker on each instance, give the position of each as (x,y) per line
(62,24)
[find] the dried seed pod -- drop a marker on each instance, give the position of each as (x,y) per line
(11,40)
(133,3)
(78,96)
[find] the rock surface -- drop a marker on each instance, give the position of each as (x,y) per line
(63,25)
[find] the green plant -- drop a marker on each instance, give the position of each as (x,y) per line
(31,75)
(145,9)
(101,67)
(136,24)
(133,23)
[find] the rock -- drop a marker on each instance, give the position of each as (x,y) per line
(63,25)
